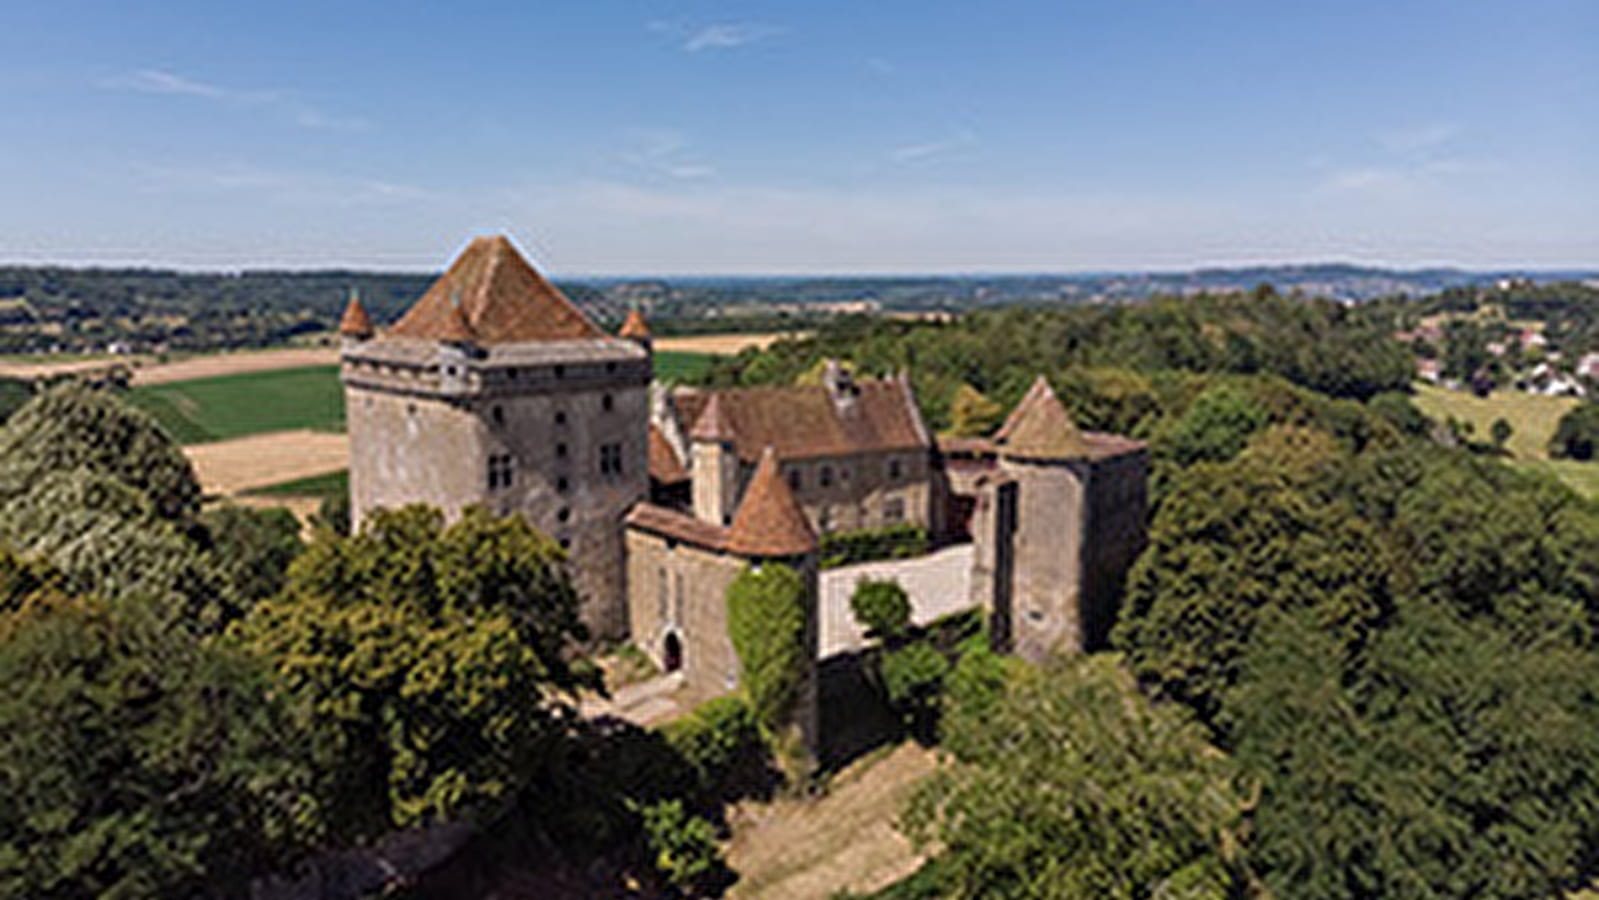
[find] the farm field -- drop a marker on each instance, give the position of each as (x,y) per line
(271,460)
(229,406)
(330,484)
(1533,419)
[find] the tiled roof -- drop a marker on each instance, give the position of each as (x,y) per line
(709,423)
(769,521)
(803,422)
(1040,427)
(499,296)
(453,327)
(634,325)
(673,524)
(355,323)
(665,467)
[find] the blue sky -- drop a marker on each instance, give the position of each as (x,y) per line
(722,137)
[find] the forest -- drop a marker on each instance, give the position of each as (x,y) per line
(1356,659)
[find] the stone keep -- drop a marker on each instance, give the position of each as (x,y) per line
(495,389)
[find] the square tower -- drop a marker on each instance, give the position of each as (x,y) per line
(495,389)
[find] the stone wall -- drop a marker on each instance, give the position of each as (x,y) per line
(676,588)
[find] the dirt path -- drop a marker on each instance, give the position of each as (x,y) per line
(234,363)
(811,849)
(229,467)
(724,344)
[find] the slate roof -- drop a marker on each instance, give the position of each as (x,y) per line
(803,422)
(769,521)
(500,299)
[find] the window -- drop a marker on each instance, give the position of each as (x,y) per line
(893,470)
(514,372)
(661,600)
(794,479)
(561,484)
(566,543)
(560,417)
(824,519)
(560,451)
(610,367)
(563,514)
(610,459)
(826,478)
(500,471)
(893,511)
(498,413)
(560,371)
(606,403)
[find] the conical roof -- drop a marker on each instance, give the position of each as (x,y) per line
(1040,427)
(769,521)
(712,425)
(355,323)
(500,297)
(634,326)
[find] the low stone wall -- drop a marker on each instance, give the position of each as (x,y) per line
(938,584)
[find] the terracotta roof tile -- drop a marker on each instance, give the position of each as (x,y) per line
(769,521)
(665,467)
(355,323)
(678,526)
(709,424)
(453,328)
(634,326)
(803,422)
(502,299)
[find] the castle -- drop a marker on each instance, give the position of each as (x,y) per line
(495,389)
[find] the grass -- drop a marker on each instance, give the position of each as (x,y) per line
(331,484)
(230,406)
(1533,419)
(681,365)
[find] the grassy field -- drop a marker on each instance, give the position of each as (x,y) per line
(681,365)
(230,406)
(1533,420)
(319,486)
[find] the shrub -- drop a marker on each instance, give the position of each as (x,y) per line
(715,739)
(683,845)
(1577,435)
(843,548)
(881,607)
(913,676)
(766,621)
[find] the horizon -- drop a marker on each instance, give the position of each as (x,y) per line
(758,140)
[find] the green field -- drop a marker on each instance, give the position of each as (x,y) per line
(1533,420)
(230,406)
(332,484)
(681,365)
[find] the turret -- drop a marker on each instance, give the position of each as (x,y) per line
(355,326)
(713,465)
(635,329)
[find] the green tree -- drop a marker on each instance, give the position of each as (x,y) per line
(1216,426)
(913,680)
(1577,434)
(136,761)
(1449,760)
(72,426)
(432,661)
(1501,431)
(1229,541)
(252,548)
(881,607)
(684,845)
(971,414)
(1078,787)
(766,622)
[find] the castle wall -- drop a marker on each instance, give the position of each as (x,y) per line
(1117,511)
(676,587)
(395,441)
(1047,548)
(863,490)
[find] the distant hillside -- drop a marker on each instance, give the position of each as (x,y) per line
(56,309)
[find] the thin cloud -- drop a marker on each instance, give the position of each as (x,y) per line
(277,185)
(665,152)
(162,81)
(715,36)
(913,152)
(1420,138)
